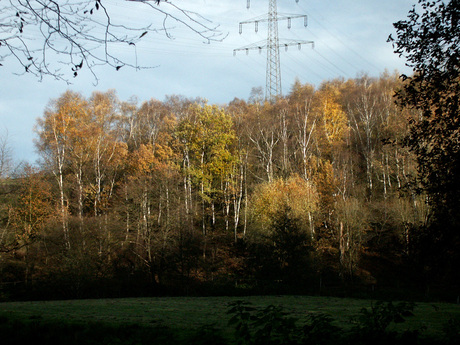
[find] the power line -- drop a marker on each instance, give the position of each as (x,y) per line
(340,37)
(272,45)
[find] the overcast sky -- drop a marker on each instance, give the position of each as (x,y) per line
(350,39)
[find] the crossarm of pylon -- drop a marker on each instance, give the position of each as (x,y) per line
(287,43)
(249,3)
(263,45)
(281,16)
(258,45)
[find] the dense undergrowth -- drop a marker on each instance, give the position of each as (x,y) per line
(248,325)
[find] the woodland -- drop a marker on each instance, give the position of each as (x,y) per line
(310,193)
(348,188)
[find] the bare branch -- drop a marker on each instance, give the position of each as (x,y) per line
(58,39)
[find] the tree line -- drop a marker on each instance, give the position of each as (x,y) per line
(312,191)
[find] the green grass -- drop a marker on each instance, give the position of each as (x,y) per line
(190,313)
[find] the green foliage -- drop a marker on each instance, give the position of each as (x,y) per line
(381,315)
(374,325)
(36,332)
(241,319)
(282,254)
(273,325)
(226,320)
(270,325)
(207,335)
(291,247)
(319,329)
(451,331)
(208,138)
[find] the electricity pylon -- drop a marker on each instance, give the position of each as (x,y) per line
(272,44)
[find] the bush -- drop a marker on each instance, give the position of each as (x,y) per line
(272,325)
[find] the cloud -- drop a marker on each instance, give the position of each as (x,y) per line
(349,39)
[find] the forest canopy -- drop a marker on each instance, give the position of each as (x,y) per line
(351,185)
(179,193)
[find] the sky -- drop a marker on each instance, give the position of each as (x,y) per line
(349,40)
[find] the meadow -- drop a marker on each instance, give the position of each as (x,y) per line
(184,317)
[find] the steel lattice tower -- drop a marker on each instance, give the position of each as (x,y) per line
(272,44)
(273,72)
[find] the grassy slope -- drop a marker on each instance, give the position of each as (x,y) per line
(193,312)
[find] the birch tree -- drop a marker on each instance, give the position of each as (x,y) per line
(54,132)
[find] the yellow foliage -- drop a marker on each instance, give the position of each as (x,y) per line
(34,206)
(143,159)
(208,140)
(322,174)
(294,195)
(334,118)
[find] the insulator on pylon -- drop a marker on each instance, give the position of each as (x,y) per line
(289,22)
(247,51)
(249,3)
(256,26)
(305,21)
(241,28)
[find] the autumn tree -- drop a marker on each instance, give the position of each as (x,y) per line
(328,130)
(366,115)
(77,155)
(304,118)
(173,192)
(54,132)
(332,116)
(240,181)
(107,150)
(207,141)
(151,208)
(295,193)
(429,40)
(78,142)
(283,211)
(353,224)
(264,133)
(31,215)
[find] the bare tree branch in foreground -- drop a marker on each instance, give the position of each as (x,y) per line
(59,38)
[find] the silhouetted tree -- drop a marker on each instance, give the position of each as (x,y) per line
(429,40)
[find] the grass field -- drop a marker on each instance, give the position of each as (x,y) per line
(188,313)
